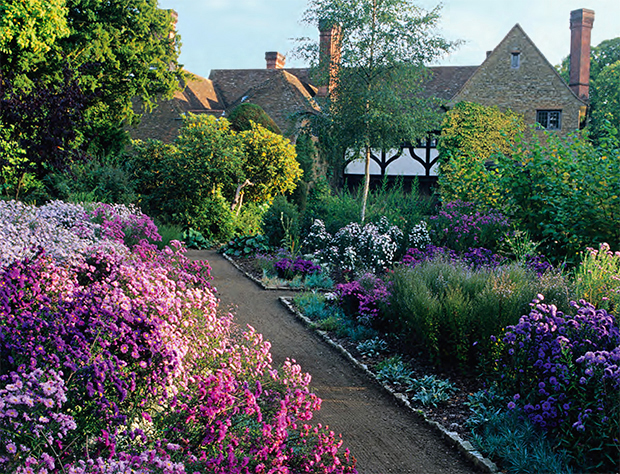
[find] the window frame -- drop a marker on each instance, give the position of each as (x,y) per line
(548,121)
(515,60)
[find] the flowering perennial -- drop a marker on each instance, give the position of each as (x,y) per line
(362,298)
(565,373)
(114,360)
(460,225)
(372,247)
(288,268)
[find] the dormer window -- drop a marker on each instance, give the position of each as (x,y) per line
(515,60)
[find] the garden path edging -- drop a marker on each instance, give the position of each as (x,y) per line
(453,438)
(256,280)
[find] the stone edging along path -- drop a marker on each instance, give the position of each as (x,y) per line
(464,446)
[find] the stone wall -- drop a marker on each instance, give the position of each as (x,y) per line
(533,85)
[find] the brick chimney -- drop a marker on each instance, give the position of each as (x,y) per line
(329,55)
(275,60)
(175,20)
(581,27)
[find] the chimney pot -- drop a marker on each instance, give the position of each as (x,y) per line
(581,22)
(275,60)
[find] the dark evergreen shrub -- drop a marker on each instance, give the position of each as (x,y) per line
(243,114)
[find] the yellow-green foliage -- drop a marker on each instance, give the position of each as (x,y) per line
(564,192)
(471,134)
(597,279)
(270,163)
(194,182)
(28,29)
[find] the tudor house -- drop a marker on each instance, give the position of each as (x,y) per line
(515,75)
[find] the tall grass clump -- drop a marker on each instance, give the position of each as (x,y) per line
(337,210)
(450,310)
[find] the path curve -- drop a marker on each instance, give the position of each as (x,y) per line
(383,436)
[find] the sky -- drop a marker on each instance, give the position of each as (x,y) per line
(235,34)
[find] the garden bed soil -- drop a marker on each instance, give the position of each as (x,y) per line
(382,435)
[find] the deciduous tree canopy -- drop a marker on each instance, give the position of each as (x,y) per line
(376,101)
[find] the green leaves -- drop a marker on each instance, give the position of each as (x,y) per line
(562,190)
(117,51)
(202,179)
(375,77)
(28,30)
(471,134)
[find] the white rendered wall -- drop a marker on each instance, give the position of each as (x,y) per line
(405,165)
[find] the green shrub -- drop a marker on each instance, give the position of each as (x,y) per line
(211,216)
(470,137)
(318,280)
(430,390)
(241,117)
(246,246)
(195,240)
(282,215)
(306,155)
(213,179)
(337,210)
(564,192)
(394,371)
(373,347)
(97,180)
(597,279)
(168,233)
(250,218)
(450,311)
(512,441)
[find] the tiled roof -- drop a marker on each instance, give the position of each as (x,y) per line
(282,95)
(446,81)
(199,94)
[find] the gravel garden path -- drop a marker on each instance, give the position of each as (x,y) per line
(383,436)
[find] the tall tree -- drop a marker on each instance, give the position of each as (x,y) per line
(28,29)
(376,98)
(123,50)
(117,50)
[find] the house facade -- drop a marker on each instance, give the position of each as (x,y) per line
(515,75)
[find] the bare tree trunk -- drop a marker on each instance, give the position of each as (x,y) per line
(236,204)
(239,204)
(366,183)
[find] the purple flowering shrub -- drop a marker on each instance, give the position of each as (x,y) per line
(67,231)
(118,360)
(459,225)
(478,257)
(364,298)
(288,268)
(564,372)
(114,343)
(124,224)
